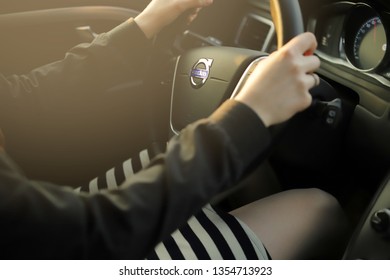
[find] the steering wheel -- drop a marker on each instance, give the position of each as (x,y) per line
(287,18)
(206,77)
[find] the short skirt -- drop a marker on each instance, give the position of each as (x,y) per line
(209,235)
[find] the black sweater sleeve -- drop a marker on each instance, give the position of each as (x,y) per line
(87,69)
(44,221)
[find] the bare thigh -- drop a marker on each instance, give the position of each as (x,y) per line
(297,224)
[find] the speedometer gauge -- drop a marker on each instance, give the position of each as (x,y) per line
(370,44)
(365,38)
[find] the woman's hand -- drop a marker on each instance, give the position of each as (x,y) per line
(279,86)
(160,13)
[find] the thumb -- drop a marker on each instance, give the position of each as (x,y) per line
(190,4)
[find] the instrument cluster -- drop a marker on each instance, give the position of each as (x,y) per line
(355,35)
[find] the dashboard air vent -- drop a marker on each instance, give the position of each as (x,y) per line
(255,33)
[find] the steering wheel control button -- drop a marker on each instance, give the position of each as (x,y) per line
(200,72)
(329,111)
(380,221)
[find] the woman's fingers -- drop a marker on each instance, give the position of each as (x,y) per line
(160,13)
(304,43)
(310,63)
(193,14)
(279,86)
(314,80)
(188,4)
(301,49)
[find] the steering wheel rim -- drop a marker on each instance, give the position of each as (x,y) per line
(287,18)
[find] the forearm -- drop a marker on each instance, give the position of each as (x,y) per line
(85,71)
(127,223)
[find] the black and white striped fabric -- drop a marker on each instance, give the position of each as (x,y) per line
(208,235)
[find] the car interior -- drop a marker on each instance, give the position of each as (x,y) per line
(340,144)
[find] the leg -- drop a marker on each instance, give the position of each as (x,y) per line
(297,224)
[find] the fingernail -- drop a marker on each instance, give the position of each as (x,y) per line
(206,2)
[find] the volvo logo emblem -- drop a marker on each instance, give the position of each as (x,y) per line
(200,72)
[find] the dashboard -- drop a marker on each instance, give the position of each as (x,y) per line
(353,44)
(352,35)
